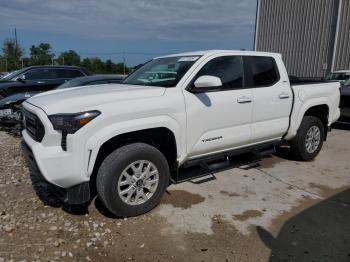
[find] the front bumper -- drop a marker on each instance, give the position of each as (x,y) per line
(77,194)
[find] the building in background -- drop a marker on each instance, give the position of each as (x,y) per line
(313,36)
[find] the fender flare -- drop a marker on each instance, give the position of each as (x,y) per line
(108,132)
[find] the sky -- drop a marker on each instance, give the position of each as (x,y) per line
(139,28)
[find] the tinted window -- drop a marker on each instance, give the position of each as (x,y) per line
(262,71)
(228,68)
(68,73)
(75,73)
(40,73)
(338,76)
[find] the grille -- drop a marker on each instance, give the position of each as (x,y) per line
(33,125)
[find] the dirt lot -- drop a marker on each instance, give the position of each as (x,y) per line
(277,210)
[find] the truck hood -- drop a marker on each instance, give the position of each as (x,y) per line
(73,100)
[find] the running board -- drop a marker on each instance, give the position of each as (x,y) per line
(208,165)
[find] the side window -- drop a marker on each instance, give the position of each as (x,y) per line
(40,74)
(261,71)
(67,73)
(228,68)
(75,73)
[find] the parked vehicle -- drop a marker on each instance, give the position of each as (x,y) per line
(131,140)
(22,84)
(345,102)
(2,74)
(92,80)
(341,76)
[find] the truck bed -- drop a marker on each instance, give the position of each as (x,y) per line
(309,94)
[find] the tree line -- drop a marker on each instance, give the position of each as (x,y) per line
(13,58)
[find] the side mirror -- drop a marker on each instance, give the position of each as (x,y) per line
(21,78)
(207,81)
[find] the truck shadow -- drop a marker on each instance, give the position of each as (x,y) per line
(319,233)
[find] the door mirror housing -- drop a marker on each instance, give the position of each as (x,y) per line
(207,82)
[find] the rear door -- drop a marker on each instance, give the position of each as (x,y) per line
(272,97)
(218,119)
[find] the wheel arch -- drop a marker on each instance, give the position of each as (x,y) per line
(161,138)
(320,109)
(321,112)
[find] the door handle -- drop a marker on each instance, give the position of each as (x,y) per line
(283,96)
(40,82)
(244,100)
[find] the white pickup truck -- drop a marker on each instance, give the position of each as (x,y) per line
(130,141)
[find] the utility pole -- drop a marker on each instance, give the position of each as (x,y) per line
(16,46)
(6,64)
(123,63)
(63,59)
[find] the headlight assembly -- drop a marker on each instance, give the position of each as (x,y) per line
(71,123)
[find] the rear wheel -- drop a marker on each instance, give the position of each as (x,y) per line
(309,139)
(132,179)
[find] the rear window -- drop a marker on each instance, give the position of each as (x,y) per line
(262,71)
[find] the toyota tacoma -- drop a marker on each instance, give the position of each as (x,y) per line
(129,141)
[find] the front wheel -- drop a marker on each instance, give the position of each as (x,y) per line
(309,139)
(132,179)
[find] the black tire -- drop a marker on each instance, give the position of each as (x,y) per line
(298,143)
(111,169)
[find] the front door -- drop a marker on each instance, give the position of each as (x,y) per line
(219,119)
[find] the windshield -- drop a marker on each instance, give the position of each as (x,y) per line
(72,83)
(13,74)
(338,76)
(163,72)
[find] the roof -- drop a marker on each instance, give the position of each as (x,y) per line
(212,52)
(53,66)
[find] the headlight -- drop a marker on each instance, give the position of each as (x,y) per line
(71,123)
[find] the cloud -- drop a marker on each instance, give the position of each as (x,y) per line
(189,20)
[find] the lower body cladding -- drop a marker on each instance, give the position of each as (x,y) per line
(50,193)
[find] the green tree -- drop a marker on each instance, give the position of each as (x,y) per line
(110,66)
(121,68)
(97,65)
(70,58)
(41,54)
(86,63)
(12,54)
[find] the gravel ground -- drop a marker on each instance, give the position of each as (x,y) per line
(279,209)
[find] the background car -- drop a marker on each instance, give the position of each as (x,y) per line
(92,80)
(19,85)
(2,74)
(12,103)
(341,76)
(345,102)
